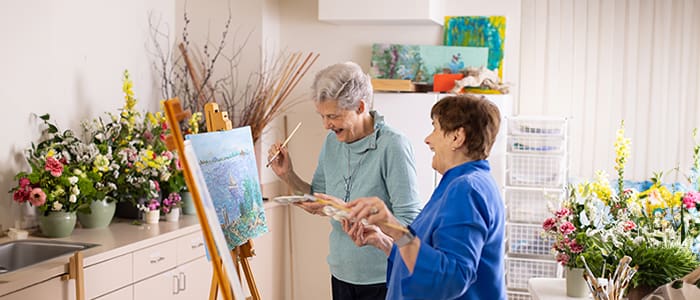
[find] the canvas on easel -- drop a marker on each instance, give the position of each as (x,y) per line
(228,164)
(225,274)
(213,222)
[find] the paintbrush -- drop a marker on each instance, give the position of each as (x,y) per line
(284,144)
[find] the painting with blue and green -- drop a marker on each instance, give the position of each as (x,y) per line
(227,160)
(478,31)
(419,63)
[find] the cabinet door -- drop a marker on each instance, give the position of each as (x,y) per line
(163,286)
(194,279)
(52,289)
(410,115)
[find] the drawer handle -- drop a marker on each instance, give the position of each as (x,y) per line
(195,246)
(156,260)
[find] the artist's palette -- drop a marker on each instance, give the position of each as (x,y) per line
(289,199)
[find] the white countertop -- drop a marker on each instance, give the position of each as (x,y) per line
(549,289)
(119,238)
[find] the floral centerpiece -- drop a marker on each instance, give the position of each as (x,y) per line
(61,175)
(138,150)
(602,224)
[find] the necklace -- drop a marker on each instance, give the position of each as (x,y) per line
(351,174)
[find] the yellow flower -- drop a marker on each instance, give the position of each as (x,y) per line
(51,153)
(601,188)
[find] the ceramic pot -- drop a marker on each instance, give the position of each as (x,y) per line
(187,204)
(173,215)
(152,216)
(100,215)
(575,284)
(57,224)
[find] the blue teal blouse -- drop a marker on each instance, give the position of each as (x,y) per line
(381,164)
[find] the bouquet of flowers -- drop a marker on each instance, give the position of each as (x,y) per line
(63,173)
(174,200)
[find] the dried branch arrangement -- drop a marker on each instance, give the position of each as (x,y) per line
(615,286)
(189,74)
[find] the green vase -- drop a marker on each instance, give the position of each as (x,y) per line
(575,284)
(100,215)
(187,204)
(57,224)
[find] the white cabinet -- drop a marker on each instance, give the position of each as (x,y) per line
(409,113)
(396,12)
(54,288)
(173,269)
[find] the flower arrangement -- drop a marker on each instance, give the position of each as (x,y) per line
(174,200)
(64,173)
(150,205)
(656,224)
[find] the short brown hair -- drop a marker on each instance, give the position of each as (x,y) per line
(479,117)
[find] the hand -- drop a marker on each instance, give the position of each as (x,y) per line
(282,164)
(374,210)
(316,208)
(364,235)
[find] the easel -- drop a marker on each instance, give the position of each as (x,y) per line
(217,120)
(175,114)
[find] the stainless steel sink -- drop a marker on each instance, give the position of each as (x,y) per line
(22,253)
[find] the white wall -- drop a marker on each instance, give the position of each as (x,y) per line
(66,58)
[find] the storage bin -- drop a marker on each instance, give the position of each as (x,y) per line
(536,144)
(527,240)
(518,296)
(536,170)
(520,270)
(537,126)
(531,205)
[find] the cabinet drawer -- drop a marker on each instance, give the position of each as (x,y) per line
(190,247)
(108,276)
(126,293)
(154,259)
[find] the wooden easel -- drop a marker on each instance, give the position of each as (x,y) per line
(174,115)
(217,120)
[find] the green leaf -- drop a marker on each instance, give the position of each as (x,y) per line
(45,117)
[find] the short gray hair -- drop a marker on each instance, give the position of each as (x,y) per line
(345,83)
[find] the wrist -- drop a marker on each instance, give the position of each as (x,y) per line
(405,238)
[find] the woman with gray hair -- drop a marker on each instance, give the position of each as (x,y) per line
(361,157)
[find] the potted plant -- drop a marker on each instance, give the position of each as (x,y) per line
(60,180)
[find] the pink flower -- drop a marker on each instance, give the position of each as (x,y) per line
(153,204)
(562,212)
(575,247)
(54,166)
(563,258)
(567,228)
(549,224)
(24,182)
(690,199)
(628,225)
(37,197)
(21,195)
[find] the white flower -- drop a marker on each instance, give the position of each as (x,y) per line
(73,180)
(57,206)
(74,190)
(72,198)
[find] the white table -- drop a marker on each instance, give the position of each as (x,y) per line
(549,289)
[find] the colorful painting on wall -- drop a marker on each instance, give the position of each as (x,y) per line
(479,32)
(419,63)
(227,161)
